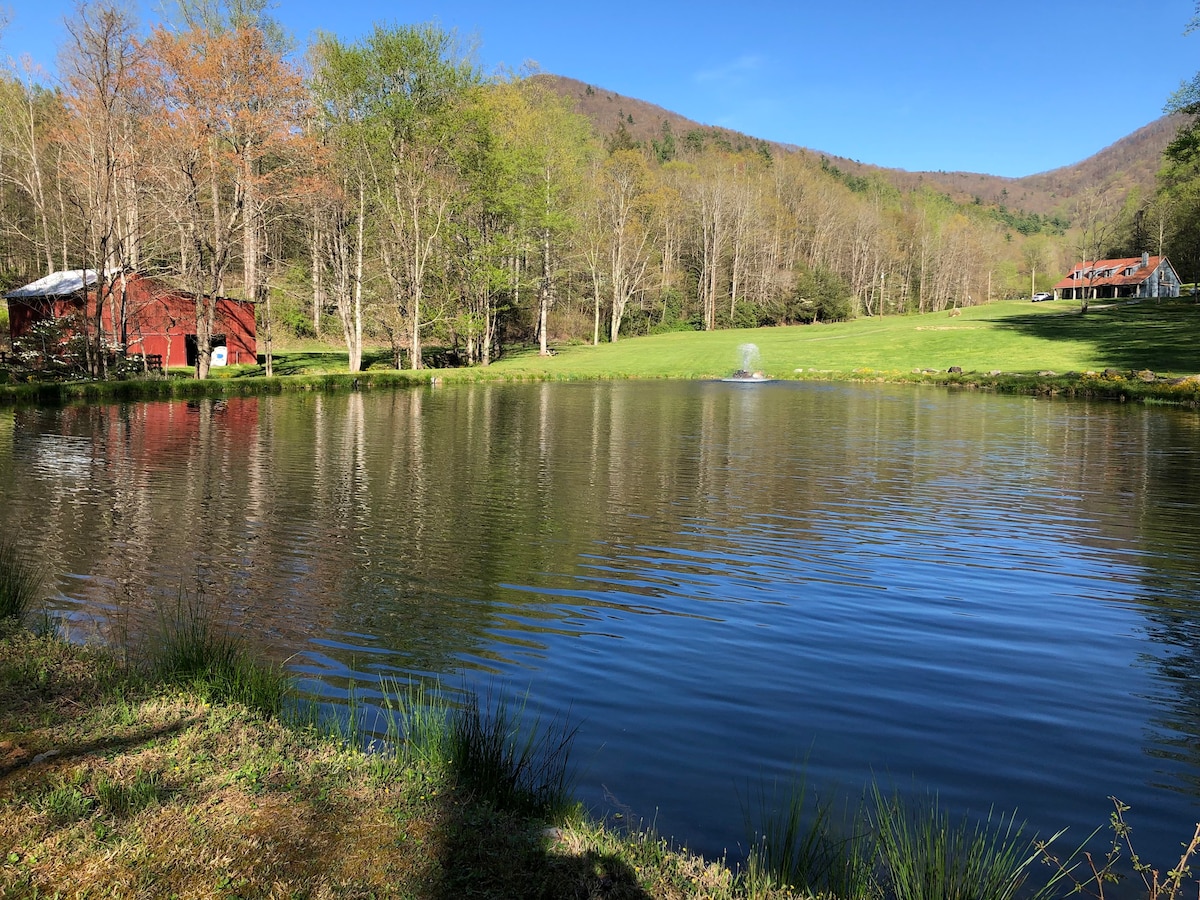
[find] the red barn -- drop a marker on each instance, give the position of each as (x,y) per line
(160,319)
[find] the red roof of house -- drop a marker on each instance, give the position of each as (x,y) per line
(1078,276)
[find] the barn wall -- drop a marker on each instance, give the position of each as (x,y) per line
(160,320)
(22,316)
(236,320)
(25,312)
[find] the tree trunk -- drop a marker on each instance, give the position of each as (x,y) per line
(263,300)
(316,240)
(355,336)
(545,295)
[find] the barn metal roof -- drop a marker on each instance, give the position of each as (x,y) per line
(57,284)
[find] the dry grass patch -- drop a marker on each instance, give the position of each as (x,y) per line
(162,794)
(648,863)
(241,807)
(51,678)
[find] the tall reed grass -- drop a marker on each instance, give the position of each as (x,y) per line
(801,841)
(503,757)
(21,582)
(190,650)
(892,849)
(487,745)
(418,719)
(925,854)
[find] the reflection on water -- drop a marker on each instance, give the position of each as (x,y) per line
(991,598)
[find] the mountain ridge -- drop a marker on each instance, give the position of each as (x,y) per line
(1127,164)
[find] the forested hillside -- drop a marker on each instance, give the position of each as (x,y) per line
(389,192)
(1130,164)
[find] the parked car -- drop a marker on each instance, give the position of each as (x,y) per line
(1042,295)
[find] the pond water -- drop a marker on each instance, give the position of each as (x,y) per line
(995,599)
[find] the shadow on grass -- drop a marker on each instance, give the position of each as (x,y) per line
(1146,335)
(324,362)
(509,779)
(298,363)
(483,855)
(106,747)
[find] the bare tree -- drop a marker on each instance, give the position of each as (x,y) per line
(100,158)
(1097,227)
(226,103)
(408,89)
(28,113)
(1033,255)
(626,215)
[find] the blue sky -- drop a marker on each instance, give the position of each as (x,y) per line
(1002,88)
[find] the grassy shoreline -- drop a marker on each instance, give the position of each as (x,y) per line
(186,767)
(118,780)
(1138,352)
(112,784)
(1141,386)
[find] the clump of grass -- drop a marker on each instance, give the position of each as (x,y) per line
(419,721)
(66,804)
(20,582)
(487,746)
(889,848)
(514,764)
(799,843)
(127,798)
(193,652)
(926,855)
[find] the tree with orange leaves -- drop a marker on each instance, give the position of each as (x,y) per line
(228,107)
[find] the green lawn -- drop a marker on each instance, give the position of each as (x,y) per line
(1012,337)
(1017,339)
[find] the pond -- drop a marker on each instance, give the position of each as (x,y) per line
(992,599)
